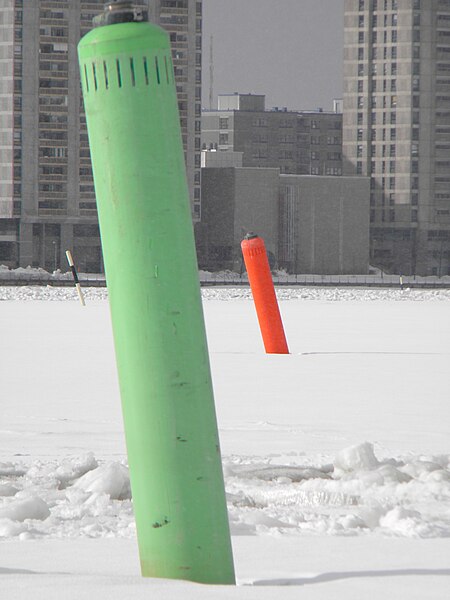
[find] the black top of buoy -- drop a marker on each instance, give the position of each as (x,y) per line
(120,11)
(250,235)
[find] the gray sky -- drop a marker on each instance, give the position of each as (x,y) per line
(290,50)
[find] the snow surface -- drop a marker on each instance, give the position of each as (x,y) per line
(336,457)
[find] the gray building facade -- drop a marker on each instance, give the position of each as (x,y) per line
(237,200)
(297,142)
(324,225)
(396,127)
(310,224)
(47,199)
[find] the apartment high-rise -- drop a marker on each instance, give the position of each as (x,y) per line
(183,20)
(396,127)
(47,200)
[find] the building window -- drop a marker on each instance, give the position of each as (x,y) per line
(260,122)
(334,156)
(223,123)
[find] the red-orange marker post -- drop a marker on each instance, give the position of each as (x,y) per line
(266,304)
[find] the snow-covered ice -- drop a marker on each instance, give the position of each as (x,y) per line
(336,457)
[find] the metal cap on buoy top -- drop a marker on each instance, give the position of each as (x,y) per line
(120,11)
(266,304)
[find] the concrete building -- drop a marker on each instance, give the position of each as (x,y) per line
(47,200)
(215,158)
(310,224)
(237,200)
(305,142)
(324,225)
(396,127)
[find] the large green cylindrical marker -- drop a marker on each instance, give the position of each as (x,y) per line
(151,269)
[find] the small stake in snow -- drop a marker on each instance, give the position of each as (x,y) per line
(75,277)
(266,304)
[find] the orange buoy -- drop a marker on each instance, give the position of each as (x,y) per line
(266,304)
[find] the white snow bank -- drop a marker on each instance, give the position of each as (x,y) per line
(331,294)
(357,457)
(21,510)
(359,494)
(111,479)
